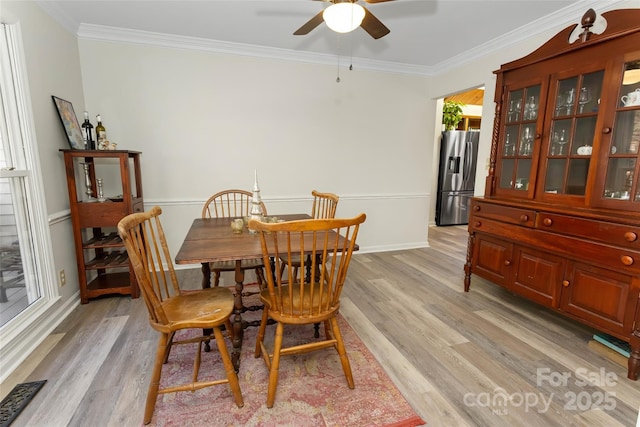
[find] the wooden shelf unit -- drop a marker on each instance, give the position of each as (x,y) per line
(103,264)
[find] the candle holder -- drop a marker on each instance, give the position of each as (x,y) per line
(87,184)
(100,191)
(256,210)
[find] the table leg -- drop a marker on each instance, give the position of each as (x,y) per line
(206,275)
(206,283)
(238,331)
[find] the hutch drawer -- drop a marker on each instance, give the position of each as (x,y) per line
(519,216)
(602,231)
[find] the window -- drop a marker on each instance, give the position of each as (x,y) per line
(25,243)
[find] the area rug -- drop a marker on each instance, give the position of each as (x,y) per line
(312,389)
(16,401)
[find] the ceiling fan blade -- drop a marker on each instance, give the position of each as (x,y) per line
(373,26)
(310,25)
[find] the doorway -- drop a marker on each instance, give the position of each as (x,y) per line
(472,104)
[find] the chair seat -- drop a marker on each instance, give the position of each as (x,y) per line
(245,264)
(199,309)
(291,307)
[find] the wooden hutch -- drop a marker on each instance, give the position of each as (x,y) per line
(103,264)
(559,223)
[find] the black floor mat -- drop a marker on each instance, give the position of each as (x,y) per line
(16,400)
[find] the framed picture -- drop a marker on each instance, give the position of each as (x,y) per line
(69,123)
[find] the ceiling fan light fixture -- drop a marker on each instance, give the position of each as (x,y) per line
(343,17)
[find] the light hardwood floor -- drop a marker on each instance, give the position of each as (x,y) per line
(454,355)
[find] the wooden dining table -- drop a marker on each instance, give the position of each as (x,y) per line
(212,240)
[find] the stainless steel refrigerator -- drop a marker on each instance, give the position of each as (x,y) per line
(456,177)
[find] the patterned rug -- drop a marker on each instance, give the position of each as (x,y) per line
(312,389)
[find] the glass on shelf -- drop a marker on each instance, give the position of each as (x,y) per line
(509,146)
(559,105)
(531,108)
(569,101)
(559,141)
(514,109)
(584,97)
(526,142)
(566,96)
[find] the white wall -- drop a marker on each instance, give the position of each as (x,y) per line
(204,121)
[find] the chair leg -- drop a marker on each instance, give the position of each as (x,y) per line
(275,365)
(228,367)
(260,278)
(261,330)
(346,367)
(169,345)
(154,383)
(283,265)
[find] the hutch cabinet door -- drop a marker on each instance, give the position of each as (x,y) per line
(617,184)
(538,276)
(520,139)
(570,133)
(600,297)
(492,259)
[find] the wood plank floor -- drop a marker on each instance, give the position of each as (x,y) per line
(483,358)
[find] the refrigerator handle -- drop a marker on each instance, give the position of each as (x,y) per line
(467,162)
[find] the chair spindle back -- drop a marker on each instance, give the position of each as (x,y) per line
(149,255)
(229,204)
(328,243)
(324,205)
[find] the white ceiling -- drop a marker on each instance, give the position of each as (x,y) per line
(424,33)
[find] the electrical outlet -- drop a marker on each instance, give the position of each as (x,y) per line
(63,277)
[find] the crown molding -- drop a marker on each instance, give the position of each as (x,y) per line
(122,35)
(557,20)
(554,22)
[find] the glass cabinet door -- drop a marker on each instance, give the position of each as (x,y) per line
(621,182)
(518,138)
(571,134)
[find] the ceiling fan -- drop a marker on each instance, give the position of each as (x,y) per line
(369,22)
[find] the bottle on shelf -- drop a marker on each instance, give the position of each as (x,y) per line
(87,133)
(101,134)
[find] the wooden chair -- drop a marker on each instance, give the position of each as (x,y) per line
(172,309)
(303,301)
(324,206)
(230,204)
